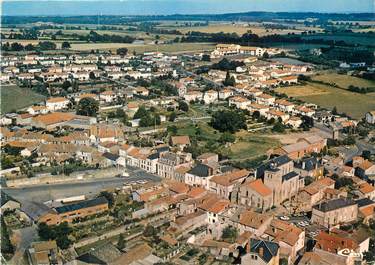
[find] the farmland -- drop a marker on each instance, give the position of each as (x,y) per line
(240,29)
(139,48)
(14,97)
(353,104)
(350,38)
(344,81)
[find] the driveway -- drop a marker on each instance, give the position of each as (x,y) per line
(22,237)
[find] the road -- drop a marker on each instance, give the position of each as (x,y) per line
(45,192)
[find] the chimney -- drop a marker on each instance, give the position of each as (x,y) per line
(261,251)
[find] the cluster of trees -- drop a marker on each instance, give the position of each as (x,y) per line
(119,114)
(335,52)
(87,107)
(147,117)
(228,121)
(229,80)
(60,233)
(7,249)
(226,65)
(230,234)
(361,90)
(158,86)
(24,34)
(17,47)
(96,37)
(122,51)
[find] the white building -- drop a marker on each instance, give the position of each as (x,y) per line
(57,103)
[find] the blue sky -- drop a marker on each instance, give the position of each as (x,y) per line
(146,7)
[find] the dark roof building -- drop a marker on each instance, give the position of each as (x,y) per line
(334,204)
(364,202)
(266,250)
(81,205)
(271,165)
(201,170)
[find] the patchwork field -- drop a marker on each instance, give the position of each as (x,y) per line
(139,48)
(14,97)
(239,29)
(353,104)
(344,81)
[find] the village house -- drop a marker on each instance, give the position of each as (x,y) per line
(225,49)
(169,165)
(106,133)
(309,167)
(290,238)
(265,99)
(107,96)
(36,110)
(303,146)
(262,109)
(193,96)
(57,103)
(214,207)
(337,240)
(366,190)
(180,141)
(253,222)
(370,117)
(43,252)
(304,111)
(261,252)
(223,184)
(210,96)
(200,175)
(239,102)
(277,115)
(284,105)
(366,210)
(225,93)
(315,192)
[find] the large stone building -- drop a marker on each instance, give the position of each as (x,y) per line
(334,212)
(278,174)
(255,194)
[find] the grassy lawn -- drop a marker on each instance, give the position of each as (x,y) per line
(251,145)
(353,104)
(344,81)
(207,132)
(14,98)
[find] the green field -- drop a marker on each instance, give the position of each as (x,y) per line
(344,81)
(247,145)
(15,98)
(251,145)
(351,38)
(353,104)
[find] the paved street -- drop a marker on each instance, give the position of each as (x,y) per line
(46,192)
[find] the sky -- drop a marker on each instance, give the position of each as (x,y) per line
(165,7)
